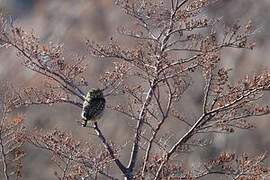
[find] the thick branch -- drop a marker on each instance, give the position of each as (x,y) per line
(3,155)
(155,132)
(135,147)
(110,150)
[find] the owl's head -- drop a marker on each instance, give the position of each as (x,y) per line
(94,94)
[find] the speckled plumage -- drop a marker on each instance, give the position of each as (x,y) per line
(93,106)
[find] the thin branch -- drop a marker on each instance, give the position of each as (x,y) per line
(66,169)
(189,68)
(159,104)
(178,6)
(200,122)
(83,160)
(184,49)
(180,142)
(207,91)
(172,4)
(51,72)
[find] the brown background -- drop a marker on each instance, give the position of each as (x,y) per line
(73,22)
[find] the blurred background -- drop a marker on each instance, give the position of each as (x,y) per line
(72,22)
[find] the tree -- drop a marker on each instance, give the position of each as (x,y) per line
(172,43)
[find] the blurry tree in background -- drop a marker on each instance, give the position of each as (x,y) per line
(171,45)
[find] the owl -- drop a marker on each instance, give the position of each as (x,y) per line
(93,106)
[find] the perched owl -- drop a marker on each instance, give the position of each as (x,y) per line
(93,106)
